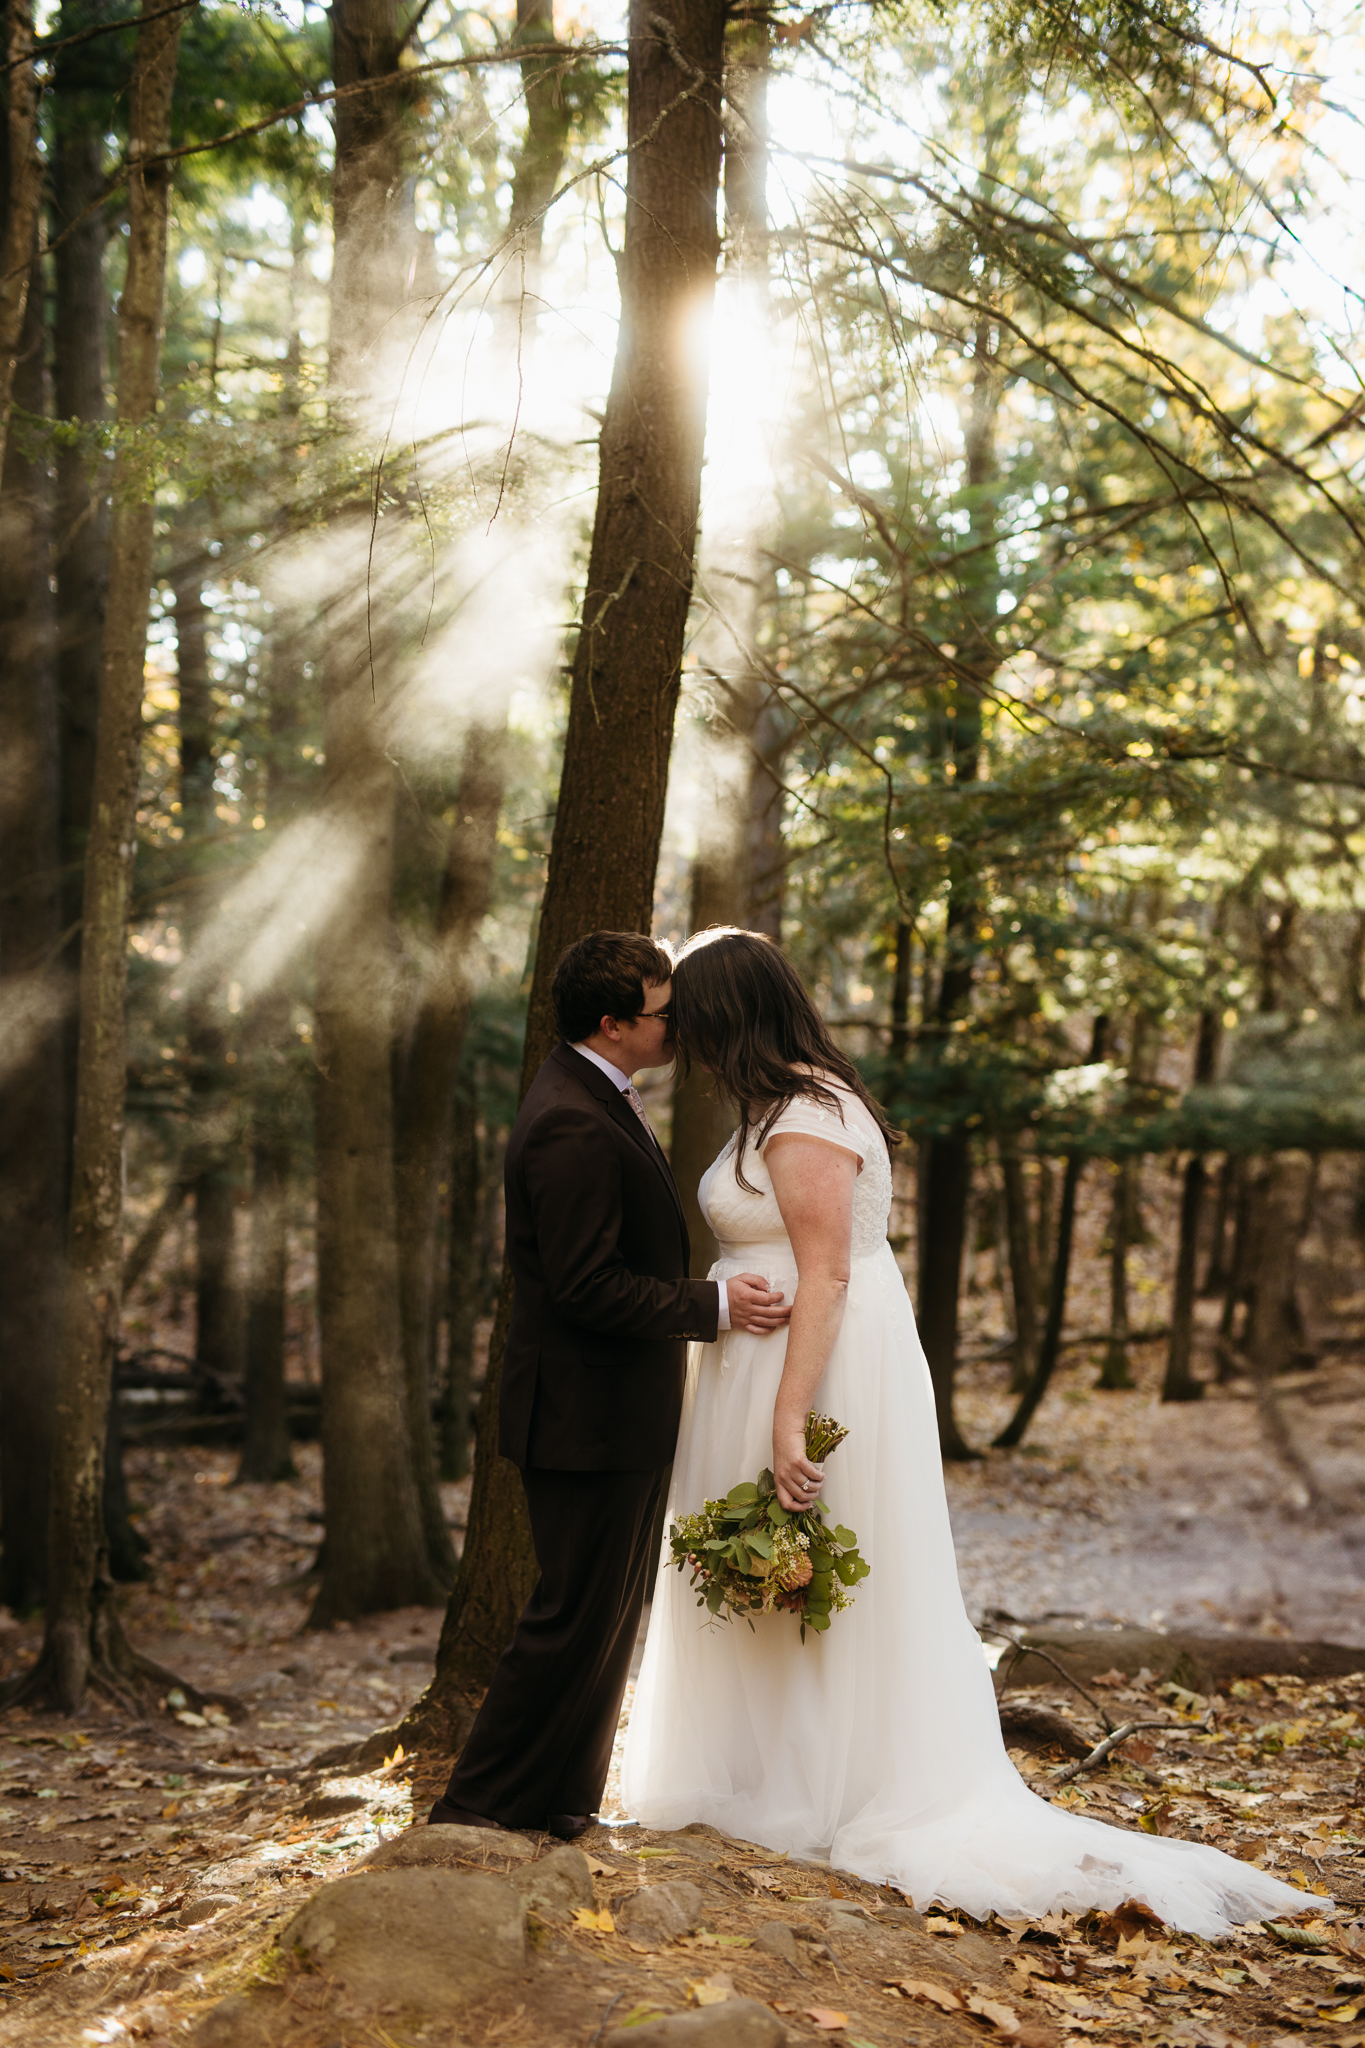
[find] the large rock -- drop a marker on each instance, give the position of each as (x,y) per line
(556,1884)
(738,2023)
(775,1938)
(431,1939)
(246,2020)
(451,1848)
(659,1913)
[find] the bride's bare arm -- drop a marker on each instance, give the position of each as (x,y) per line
(813,1182)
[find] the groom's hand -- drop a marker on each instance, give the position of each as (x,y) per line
(754,1306)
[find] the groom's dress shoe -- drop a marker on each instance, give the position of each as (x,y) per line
(444,1815)
(569,1826)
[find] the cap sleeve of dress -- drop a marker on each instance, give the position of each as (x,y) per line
(810,1118)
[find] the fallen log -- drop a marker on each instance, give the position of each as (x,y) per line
(1201,1662)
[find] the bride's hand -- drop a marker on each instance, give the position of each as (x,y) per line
(798,1480)
(754,1306)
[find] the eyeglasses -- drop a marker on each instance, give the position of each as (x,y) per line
(665,1016)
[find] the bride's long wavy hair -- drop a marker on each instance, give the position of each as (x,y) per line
(741,1009)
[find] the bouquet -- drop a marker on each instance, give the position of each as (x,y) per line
(750,1555)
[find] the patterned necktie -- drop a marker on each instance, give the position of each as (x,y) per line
(632,1097)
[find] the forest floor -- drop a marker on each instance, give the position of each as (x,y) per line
(148,1867)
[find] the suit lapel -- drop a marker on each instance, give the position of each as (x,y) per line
(614,1101)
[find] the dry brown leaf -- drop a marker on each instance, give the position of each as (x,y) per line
(928,1993)
(1131,1918)
(824,2017)
(1003,2017)
(594,1923)
(712,1990)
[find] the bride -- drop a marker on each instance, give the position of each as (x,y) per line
(876,1745)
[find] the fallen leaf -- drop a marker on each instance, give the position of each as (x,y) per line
(1312,1938)
(664,1855)
(1114,1677)
(823,2017)
(396,1758)
(938,1924)
(1003,2017)
(600,1869)
(927,1993)
(710,1990)
(594,1923)
(1131,1918)
(1340,2015)
(638,2014)
(766,1881)
(191,1720)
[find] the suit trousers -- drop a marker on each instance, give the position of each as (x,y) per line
(542,1740)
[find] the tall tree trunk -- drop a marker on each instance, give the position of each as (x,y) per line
(32,1120)
(1050,1348)
(375,1554)
(22,196)
(702,1122)
(463,1275)
(735,577)
(218,1305)
(80,118)
(426,1096)
(1180,1383)
(1023,1268)
(626,669)
(266,1452)
(1274,1338)
(1115,1377)
(84,1641)
(947,1164)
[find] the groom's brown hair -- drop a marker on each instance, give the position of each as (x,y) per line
(604,975)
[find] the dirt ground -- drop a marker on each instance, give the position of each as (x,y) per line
(147,1867)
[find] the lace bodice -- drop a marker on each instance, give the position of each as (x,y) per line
(740,1217)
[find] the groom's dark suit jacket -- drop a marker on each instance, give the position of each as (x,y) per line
(592,1377)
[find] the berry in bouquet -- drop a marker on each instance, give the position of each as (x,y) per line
(749,1555)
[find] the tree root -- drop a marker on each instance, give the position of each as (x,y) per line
(74,1661)
(431,1727)
(1105,1749)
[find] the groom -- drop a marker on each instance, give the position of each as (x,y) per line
(592,1385)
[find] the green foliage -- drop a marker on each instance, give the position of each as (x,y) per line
(749,1555)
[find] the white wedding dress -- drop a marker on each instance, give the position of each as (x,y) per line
(876,1745)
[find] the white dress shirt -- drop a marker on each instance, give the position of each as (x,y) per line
(622,1082)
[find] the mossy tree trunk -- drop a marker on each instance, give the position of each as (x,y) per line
(83,1642)
(375,1554)
(626,672)
(32,1118)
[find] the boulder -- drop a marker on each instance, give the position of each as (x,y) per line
(432,1938)
(660,1913)
(777,1939)
(203,1907)
(738,2023)
(556,1884)
(450,1848)
(901,1916)
(331,1805)
(247,2020)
